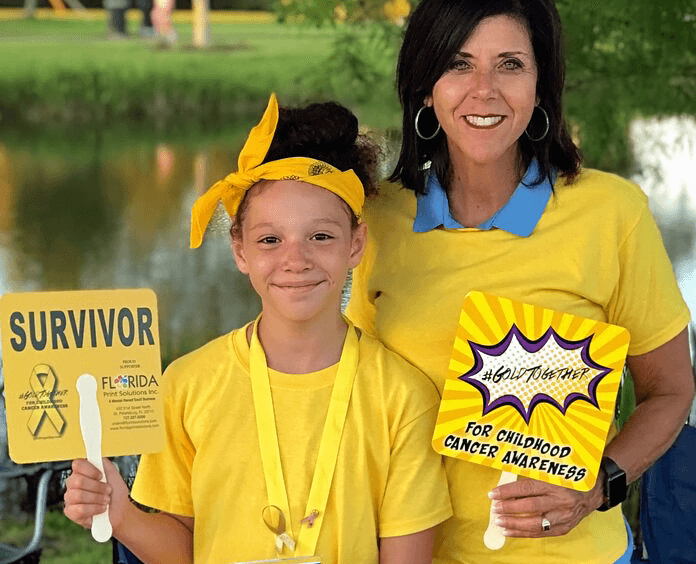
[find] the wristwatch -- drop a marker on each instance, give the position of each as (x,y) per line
(614,484)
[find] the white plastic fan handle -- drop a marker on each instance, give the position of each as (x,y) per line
(494,538)
(90,425)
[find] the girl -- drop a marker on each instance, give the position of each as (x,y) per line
(295,435)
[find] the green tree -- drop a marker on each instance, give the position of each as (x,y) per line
(625,59)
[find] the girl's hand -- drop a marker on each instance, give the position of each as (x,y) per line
(522,506)
(86,495)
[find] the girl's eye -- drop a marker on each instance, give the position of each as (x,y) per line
(269,240)
(321,237)
(512,64)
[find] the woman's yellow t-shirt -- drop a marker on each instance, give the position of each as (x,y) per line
(595,252)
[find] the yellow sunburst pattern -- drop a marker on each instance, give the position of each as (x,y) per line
(530,390)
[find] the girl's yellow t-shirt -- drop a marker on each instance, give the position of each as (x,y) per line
(388,481)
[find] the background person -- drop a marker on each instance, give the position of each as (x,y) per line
(244,414)
(116,18)
(146,29)
(162,20)
(504,207)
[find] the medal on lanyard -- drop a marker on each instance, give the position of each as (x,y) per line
(274,514)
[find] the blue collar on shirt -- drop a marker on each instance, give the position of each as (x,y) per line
(518,216)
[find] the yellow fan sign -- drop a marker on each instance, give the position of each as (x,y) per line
(49,339)
(530,390)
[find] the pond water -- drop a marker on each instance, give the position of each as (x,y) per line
(109,212)
(115,215)
(106,212)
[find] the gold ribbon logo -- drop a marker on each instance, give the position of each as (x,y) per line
(43,383)
(275,520)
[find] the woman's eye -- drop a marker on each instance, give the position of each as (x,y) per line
(321,237)
(459,65)
(512,64)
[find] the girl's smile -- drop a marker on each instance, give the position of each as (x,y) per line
(297,288)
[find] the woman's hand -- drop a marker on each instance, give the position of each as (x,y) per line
(86,495)
(664,386)
(521,506)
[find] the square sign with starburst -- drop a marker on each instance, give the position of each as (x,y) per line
(530,390)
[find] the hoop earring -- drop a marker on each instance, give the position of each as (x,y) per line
(546,116)
(423,137)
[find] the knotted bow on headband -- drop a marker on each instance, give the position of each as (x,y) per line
(231,189)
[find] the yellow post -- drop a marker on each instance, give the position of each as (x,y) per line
(201,23)
(57,5)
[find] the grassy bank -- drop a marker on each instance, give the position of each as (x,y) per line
(63,541)
(59,71)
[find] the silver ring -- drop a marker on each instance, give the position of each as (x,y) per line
(545,524)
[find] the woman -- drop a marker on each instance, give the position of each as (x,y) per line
(505,208)
(293,435)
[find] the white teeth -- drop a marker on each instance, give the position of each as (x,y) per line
(480,121)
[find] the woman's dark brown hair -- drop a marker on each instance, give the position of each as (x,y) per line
(436,32)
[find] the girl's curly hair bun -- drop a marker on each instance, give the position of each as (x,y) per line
(318,126)
(328,132)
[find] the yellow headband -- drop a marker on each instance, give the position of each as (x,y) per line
(231,189)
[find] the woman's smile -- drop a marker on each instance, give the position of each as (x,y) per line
(483,122)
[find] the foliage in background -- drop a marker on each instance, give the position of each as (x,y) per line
(625,58)
(320,12)
(359,65)
(68,73)
(64,542)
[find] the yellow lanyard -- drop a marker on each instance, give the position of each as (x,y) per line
(306,540)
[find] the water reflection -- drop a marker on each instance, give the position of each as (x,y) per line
(665,153)
(117,217)
(116,214)
(61,219)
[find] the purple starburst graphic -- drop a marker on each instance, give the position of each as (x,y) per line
(530,346)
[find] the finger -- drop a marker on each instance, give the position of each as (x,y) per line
(86,468)
(529,506)
(82,513)
(531,526)
(111,470)
(521,488)
(83,483)
(82,497)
